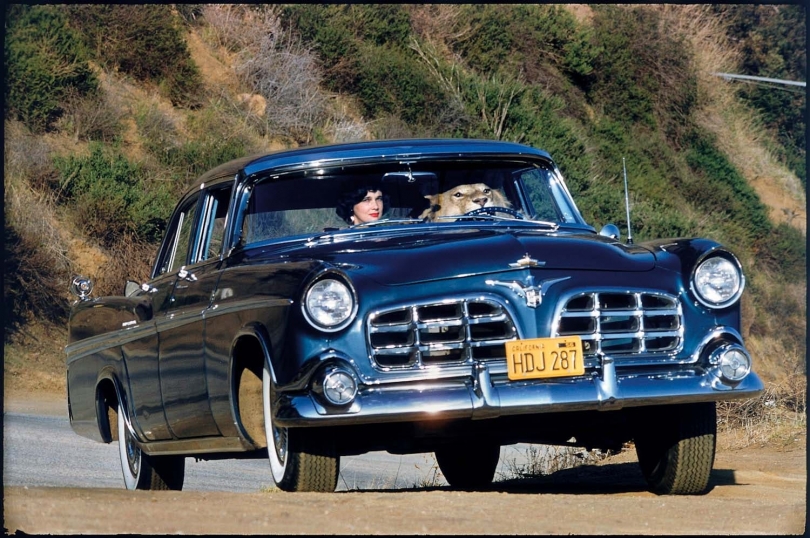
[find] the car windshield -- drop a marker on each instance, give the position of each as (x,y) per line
(307,202)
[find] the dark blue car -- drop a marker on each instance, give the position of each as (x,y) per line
(412,296)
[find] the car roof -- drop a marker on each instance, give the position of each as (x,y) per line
(392,150)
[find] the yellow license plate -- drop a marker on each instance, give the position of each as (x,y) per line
(540,358)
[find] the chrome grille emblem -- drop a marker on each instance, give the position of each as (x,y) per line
(531,293)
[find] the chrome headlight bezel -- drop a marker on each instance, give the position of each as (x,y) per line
(711,267)
(732,362)
(329,291)
(338,386)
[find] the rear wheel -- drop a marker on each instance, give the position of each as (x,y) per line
(676,447)
(468,466)
(297,461)
(142,471)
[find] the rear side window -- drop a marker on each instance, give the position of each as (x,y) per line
(181,234)
(214,221)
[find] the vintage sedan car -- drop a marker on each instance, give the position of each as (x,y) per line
(475,309)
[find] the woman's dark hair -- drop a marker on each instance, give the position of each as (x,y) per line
(352,197)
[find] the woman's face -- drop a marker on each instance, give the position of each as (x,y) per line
(369,208)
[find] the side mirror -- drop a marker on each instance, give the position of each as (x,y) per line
(131,288)
(610,230)
(81,286)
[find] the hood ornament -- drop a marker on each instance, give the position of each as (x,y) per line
(527,261)
(531,293)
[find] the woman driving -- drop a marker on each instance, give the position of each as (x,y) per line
(361,205)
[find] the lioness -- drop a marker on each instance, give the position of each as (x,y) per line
(462,199)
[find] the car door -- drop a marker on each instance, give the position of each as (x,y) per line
(141,352)
(196,266)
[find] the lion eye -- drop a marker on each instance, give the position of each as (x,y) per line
(457,195)
(486,191)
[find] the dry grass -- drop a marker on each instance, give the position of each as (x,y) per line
(778,417)
(34,361)
(739,132)
(542,460)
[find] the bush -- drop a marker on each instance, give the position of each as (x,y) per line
(143,41)
(36,266)
(391,81)
(526,38)
(773,44)
(111,198)
(90,117)
(643,74)
(213,136)
(32,285)
(720,190)
(43,62)
(272,62)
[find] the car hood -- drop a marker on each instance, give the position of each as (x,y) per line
(411,257)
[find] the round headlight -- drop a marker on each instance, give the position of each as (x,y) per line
(339,387)
(718,282)
(329,304)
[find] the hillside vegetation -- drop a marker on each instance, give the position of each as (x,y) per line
(112,110)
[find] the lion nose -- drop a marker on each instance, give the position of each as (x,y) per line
(482,201)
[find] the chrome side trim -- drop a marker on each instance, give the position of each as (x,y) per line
(95,344)
(218,309)
(200,445)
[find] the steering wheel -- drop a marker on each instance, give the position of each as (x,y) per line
(491,210)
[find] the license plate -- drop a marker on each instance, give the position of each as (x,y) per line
(540,358)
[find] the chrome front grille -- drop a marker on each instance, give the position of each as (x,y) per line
(623,324)
(443,333)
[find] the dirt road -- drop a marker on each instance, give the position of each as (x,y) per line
(757,490)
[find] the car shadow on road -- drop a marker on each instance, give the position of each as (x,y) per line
(583,479)
(614,478)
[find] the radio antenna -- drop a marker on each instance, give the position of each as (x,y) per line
(627,204)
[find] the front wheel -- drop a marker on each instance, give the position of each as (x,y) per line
(676,446)
(142,471)
(296,462)
(470,466)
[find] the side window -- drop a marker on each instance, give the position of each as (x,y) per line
(215,219)
(178,251)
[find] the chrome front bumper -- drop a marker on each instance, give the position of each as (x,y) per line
(478,397)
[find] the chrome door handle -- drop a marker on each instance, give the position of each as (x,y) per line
(183,274)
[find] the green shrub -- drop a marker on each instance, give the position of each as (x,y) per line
(213,138)
(111,197)
(328,28)
(784,250)
(143,41)
(773,44)
(643,73)
(525,37)
(43,61)
(391,81)
(380,24)
(722,191)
